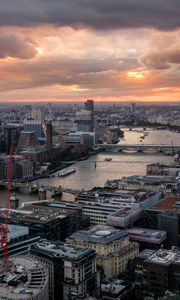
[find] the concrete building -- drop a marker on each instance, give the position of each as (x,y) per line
(49,134)
(147,238)
(83,120)
(37,155)
(154,183)
(19,240)
(72,270)
(120,208)
(47,220)
(165,216)
(21,168)
(112,247)
(89,105)
(27,139)
(37,127)
(81,137)
(156,272)
(162,169)
(112,289)
(11,136)
(24,279)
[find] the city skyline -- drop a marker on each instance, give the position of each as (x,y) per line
(73,50)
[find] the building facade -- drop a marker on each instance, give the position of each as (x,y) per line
(112,247)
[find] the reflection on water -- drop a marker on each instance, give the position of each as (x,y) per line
(122,164)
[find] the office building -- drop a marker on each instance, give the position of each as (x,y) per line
(37,127)
(89,106)
(21,168)
(27,139)
(165,215)
(120,208)
(11,136)
(19,240)
(156,272)
(49,140)
(112,289)
(147,238)
(72,270)
(47,220)
(112,246)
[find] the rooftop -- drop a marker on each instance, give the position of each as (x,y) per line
(62,251)
(168,203)
(23,279)
(99,234)
(115,287)
(15,231)
(161,256)
(34,150)
(147,235)
(37,213)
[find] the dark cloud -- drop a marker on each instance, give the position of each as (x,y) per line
(12,45)
(101,14)
(161,60)
(47,72)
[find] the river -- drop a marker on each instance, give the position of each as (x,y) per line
(122,164)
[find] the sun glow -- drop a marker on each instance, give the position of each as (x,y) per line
(136,74)
(39,51)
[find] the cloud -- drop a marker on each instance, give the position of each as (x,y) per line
(13,45)
(161,60)
(106,14)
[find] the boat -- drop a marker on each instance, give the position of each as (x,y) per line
(108,159)
(66,173)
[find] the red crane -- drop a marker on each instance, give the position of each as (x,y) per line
(4,227)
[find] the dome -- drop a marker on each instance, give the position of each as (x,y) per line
(103,232)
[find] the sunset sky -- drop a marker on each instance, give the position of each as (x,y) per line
(126,50)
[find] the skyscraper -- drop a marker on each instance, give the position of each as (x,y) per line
(89,105)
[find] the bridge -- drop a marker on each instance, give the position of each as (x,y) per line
(29,188)
(140,147)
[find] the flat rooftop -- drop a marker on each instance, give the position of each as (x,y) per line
(115,287)
(168,203)
(161,256)
(147,235)
(37,213)
(15,231)
(23,278)
(62,251)
(116,197)
(99,234)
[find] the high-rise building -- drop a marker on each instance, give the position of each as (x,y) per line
(89,105)
(11,136)
(49,139)
(36,126)
(37,114)
(27,139)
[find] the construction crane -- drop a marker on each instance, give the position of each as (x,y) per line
(4,227)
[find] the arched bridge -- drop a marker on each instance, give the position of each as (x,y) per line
(140,147)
